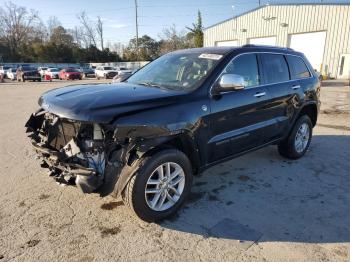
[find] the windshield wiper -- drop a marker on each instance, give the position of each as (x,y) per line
(149,84)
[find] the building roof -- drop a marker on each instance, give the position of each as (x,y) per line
(274,4)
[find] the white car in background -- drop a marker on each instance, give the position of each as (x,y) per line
(123,70)
(11,74)
(3,70)
(53,72)
(42,70)
(105,72)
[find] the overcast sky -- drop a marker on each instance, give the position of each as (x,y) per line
(154,15)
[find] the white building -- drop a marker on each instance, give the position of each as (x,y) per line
(320,31)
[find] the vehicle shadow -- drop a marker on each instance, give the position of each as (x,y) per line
(262,196)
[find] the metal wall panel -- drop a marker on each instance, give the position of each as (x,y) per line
(266,21)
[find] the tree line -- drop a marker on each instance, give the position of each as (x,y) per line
(24,37)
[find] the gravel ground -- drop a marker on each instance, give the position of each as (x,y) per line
(259,207)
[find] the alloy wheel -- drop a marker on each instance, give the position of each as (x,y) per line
(165,186)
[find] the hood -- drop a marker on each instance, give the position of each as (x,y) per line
(102,103)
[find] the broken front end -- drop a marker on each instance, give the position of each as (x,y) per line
(74,152)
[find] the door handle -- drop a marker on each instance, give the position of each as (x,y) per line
(260,94)
(295,87)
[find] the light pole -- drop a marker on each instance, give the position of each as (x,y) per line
(137,28)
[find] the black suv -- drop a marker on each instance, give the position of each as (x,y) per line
(144,139)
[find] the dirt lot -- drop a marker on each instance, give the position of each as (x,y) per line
(259,207)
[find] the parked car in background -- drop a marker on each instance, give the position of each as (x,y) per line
(11,74)
(123,70)
(105,72)
(26,72)
(53,72)
(121,76)
(3,70)
(70,74)
(87,72)
(42,70)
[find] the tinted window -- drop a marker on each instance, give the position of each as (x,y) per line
(178,70)
(245,66)
(275,68)
(71,70)
(298,69)
(28,68)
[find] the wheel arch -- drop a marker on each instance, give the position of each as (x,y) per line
(182,142)
(311,111)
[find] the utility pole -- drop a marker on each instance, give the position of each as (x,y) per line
(259,2)
(137,28)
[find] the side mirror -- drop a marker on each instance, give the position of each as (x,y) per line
(229,82)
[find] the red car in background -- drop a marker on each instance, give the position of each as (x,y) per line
(70,73)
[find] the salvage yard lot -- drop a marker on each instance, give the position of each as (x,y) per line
(253,208)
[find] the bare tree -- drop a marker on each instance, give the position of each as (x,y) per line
(172,40)
(99,29)
(17,25)
(89,29)
(52,23)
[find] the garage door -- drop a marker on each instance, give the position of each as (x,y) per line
(271,40)
(227,43)
(311,44)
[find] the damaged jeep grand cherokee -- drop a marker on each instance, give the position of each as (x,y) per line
(144,139)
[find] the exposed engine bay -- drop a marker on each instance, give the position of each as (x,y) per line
(75,153)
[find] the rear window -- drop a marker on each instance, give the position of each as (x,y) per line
(298,68)
(275,68)
(71,70)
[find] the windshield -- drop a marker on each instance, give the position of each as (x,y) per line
(28,68)
(71,70)
(54,70)
(178,71)
(108,68)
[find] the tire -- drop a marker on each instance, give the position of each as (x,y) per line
(39,80)
(288,148)
(134,194)
(23,80)
(106,77)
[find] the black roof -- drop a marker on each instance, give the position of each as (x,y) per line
(223,50)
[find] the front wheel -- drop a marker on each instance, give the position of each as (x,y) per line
(298,141)
(160,185)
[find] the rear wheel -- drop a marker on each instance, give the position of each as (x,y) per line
(298,141)
(160,185)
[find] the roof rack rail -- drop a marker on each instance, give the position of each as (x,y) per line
(268,46)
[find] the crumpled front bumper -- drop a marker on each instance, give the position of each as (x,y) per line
(61,167)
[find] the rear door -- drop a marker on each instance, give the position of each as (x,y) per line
(286,90)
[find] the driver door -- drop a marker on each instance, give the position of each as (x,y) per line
(239,119)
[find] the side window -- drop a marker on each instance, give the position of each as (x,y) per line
(245,65)
(298,69)
(275,68)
